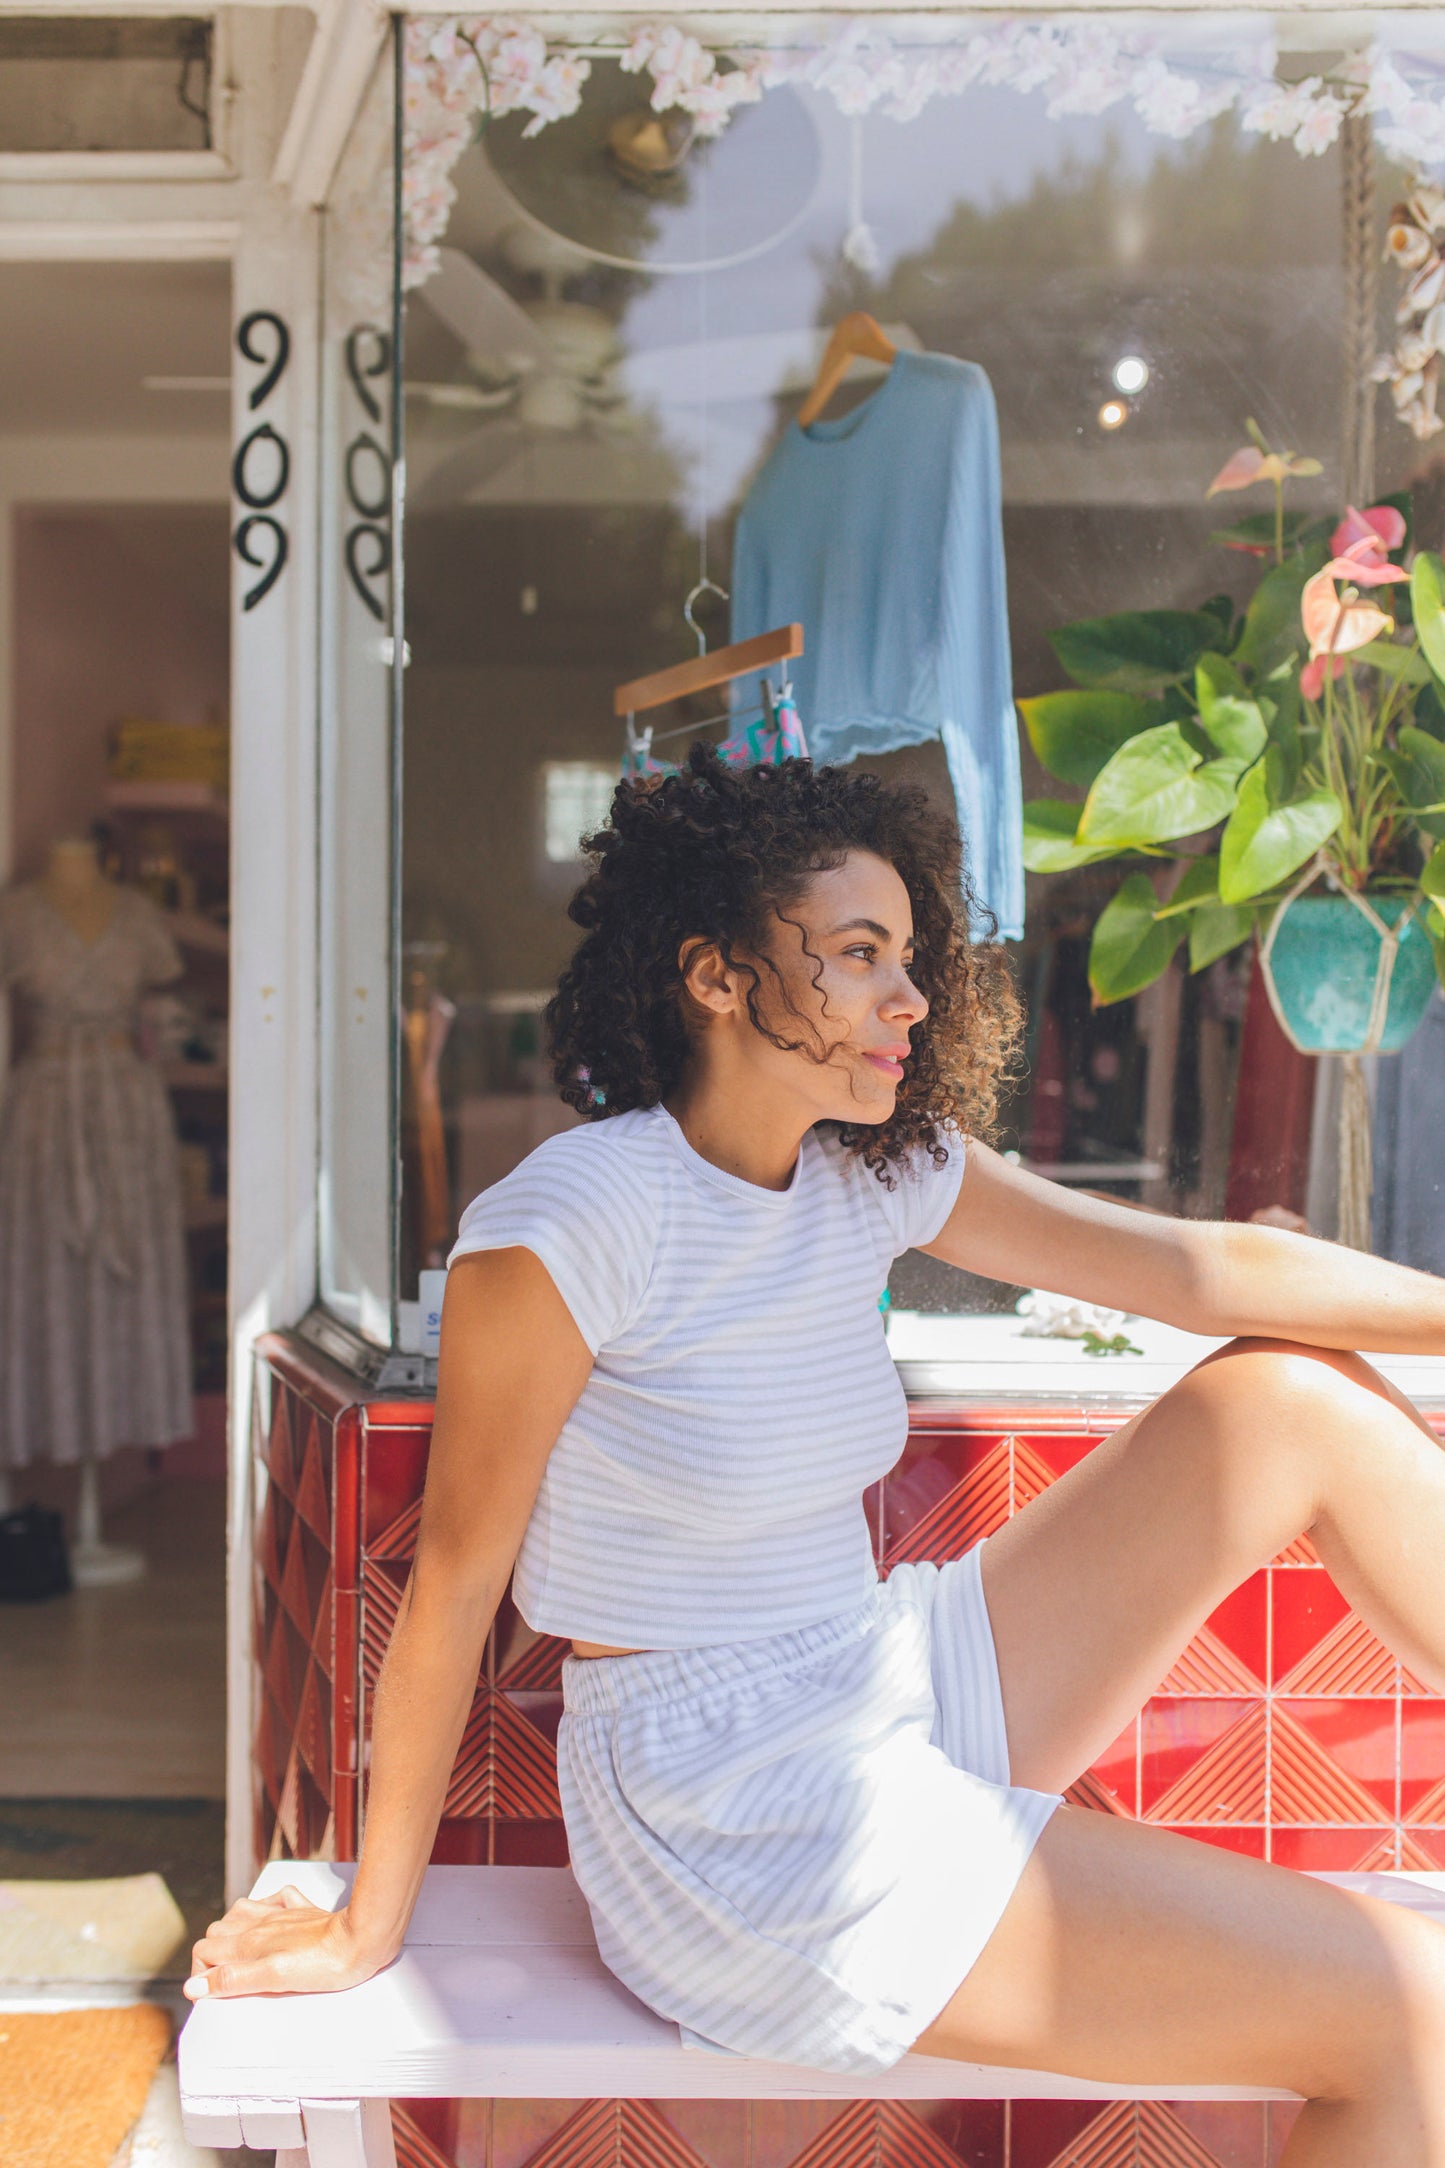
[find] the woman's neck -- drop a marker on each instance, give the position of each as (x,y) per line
(744,1133)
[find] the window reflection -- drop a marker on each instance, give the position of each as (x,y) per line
(587,409)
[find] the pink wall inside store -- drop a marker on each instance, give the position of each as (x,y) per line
(119,611)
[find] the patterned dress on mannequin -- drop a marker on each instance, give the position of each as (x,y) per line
(94,1344)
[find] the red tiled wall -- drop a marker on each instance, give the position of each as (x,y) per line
(1285,1731)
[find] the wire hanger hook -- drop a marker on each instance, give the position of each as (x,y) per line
(705,586)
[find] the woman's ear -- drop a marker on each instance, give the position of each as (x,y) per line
(707,978)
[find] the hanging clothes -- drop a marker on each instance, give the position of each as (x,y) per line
(775,736)
(881,533)
(94,1327)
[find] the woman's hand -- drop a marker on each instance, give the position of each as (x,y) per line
(281,1945)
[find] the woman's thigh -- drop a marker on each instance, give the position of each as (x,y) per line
(1131,1956)
(1099,1584)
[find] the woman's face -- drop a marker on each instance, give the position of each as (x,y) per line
(842,954)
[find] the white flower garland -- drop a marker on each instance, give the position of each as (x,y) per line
(1414,245)
(461,67)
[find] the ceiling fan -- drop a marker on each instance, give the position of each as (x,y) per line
(541,368)
(553,367)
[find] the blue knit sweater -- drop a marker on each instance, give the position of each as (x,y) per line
(881,534)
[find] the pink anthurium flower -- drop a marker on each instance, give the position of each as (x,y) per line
(1250,465)
(1381,526)
(1336,623)
(1312,677)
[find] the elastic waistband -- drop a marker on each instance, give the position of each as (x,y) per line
(596,1684)
(57,1041)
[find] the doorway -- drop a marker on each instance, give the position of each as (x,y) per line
(114,564)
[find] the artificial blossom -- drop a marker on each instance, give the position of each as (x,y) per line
(462,69)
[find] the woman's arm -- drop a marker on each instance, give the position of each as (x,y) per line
(512,1366)
(1222,1278)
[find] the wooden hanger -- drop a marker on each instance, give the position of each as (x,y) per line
(860,336)
(719,668)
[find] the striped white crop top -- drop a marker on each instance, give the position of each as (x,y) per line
(707,1486)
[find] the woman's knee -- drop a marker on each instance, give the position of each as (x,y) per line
(1278,1393)
(1258,1423)
(1253,1364)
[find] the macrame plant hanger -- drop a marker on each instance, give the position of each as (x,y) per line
(1360,254)
(1355,1148)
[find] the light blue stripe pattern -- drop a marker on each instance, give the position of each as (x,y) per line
(796,1848)
(708,1485)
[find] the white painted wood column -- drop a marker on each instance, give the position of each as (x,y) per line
(273,926)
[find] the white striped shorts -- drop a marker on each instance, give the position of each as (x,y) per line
(795,1848)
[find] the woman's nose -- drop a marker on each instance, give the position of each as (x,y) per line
(908,1005)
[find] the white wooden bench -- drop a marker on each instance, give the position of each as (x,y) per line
(500,1993)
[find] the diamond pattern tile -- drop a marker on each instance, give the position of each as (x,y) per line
(1285,1730)
(293,1636)
(1135,2134)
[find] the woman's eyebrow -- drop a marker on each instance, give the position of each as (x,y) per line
(867,926)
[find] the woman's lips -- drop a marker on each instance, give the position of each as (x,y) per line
(887,1064)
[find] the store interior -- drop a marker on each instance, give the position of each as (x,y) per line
(558,518)
(114,911)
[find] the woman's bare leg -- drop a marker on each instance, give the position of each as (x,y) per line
(1128,1954)
(1133,1956)
(1096,1587)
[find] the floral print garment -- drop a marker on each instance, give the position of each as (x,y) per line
(94,1341)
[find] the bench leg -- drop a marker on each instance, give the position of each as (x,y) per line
(344,2134)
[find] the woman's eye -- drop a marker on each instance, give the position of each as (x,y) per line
(864,949)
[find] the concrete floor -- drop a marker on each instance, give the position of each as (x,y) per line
(119,1693)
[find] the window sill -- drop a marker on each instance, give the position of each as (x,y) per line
(990,1359)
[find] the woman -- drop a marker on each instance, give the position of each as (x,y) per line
(817,1817)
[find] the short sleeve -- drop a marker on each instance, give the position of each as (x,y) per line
(916,1209)
(572,1204)
(161,960)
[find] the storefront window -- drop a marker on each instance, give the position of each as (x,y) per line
(358,676)
(622,264)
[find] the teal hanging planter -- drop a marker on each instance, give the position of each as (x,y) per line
(1331,981)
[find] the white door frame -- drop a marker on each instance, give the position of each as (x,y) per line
(257,210)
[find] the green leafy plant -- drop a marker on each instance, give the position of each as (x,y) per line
(1117,1343)
(1231,750)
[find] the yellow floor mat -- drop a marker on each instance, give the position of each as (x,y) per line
(73,2082)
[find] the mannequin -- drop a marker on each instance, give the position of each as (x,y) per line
(92,1260)
(74,885)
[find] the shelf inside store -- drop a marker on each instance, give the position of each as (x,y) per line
(205,1212)
(195,1076)
(125,795)
(193,930)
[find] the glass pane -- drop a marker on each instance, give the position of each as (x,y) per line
(358,516)
(610,331)
(95,83)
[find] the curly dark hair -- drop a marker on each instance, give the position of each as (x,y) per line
(715,852)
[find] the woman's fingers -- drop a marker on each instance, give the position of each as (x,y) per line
(236,1932)
(237,1976)
(290,1949)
